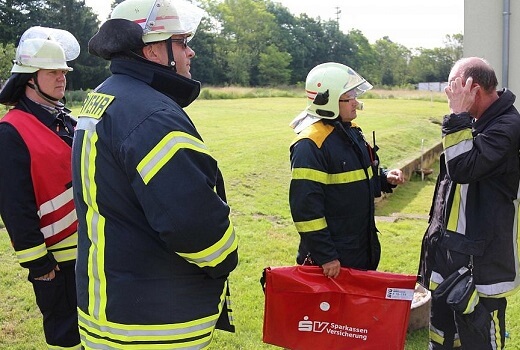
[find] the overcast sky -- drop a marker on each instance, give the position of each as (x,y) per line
(412,23)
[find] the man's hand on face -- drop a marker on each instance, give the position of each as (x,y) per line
(461,97)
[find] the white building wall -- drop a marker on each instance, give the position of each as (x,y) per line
(432,86)
(483,37)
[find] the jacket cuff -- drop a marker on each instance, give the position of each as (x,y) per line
(42,266)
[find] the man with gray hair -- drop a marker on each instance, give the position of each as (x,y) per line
(469,255)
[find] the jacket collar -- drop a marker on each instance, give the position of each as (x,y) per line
(177,87)
(505,102)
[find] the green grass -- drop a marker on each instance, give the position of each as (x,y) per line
(250,139)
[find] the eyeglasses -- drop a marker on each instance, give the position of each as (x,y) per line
(182,41)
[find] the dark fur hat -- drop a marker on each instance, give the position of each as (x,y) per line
(116,36)
(14,88)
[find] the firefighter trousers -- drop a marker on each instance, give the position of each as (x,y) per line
(484,329)
(56,300)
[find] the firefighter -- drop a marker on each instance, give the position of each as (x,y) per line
(156,244)
(36,202)
(473,225)
(335,175)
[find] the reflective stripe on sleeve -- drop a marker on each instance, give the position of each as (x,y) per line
(457,143)
(31,254)
(330,179)
(165,150)
(311,225)
(214,255)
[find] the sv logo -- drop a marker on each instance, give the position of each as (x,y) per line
(310,326)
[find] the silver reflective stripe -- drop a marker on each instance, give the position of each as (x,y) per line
(165,150)
(461,222)
(87,124)
(60,225)
(458,149)
(215,254)
(93,221)
(142,332)
(31,253)
(496,290)
(65,249)
(436,277)
(55,203)
(102,346)
(64,255)
(506,288)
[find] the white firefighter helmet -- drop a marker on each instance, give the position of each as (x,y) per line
(45,48)
(326,83)
(160,19)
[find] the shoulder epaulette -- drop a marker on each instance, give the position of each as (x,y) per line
(316,132)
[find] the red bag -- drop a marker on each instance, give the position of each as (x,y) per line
(357,310)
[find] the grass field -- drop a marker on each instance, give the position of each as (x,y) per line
(250,139)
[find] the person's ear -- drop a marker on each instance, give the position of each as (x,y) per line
(34,77)
(150,52)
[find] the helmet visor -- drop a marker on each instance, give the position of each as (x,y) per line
(166,18)
(67,41)
(359,90)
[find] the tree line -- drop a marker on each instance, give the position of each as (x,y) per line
(241,42)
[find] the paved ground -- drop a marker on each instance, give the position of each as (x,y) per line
(397,216)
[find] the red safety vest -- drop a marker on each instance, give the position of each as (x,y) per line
(51,174)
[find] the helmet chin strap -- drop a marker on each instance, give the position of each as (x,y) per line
(36,87)
(169,50)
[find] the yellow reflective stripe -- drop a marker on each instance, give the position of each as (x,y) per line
(452,139)
(150,165)
(472,302)
(69,242)
(66,249)
(435,337)
(456,342)
(311,225)
(454,211)
(215,254)
(55,203)
(64,255)
(457,143)
(435,280)
(495,328)
(229,310)
(90,342)
(330,179)
(95,105)
(31,253)
(95,228)
(60,225)
(97,333)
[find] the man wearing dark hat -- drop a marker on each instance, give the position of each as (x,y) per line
(155,242)
(36,202)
